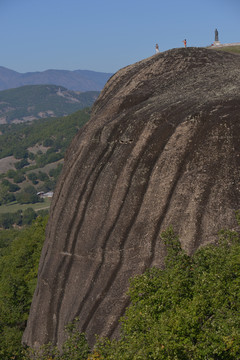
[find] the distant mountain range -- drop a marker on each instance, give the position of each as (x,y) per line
(32,102)
(77,80)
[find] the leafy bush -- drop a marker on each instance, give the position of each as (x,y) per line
(48,142)
(48,158)
(19,152)
(3,194)
(28,195)
(188,311)
(18,277)
(6,220)
(49,185)
(20,164)
(31,156)
(26,217)
(11,173)
(6,239)
(18,177)
(42,176)
(13,187)
(10,186)
(74,348)
(56,172)
(32,177)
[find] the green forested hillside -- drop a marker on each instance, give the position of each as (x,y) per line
(38,151)
(40,101)
(55,133)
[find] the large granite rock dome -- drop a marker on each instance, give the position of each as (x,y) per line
(162,147)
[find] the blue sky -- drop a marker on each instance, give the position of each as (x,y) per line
(106,35)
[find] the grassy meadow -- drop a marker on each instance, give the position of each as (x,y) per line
(14,206)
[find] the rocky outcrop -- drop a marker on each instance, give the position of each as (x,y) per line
(162,147)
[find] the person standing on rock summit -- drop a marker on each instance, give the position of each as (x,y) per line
(185,43)
(157,49)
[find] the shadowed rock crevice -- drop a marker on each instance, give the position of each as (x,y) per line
(162,148)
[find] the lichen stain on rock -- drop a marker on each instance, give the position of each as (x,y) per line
(162,147)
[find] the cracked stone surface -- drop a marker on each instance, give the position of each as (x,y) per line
(162,147)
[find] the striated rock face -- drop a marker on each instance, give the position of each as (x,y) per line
(162,147)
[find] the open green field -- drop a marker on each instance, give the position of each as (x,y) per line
(231,49)
(14,206)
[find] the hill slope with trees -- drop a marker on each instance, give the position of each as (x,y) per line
(54,133)
(36,151)
(31,102)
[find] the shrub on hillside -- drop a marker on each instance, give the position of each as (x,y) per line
(6,220)
(18,177)
(187,311)
(56,172)
(47,142)
(18,277)
(20,153)
(10,186)
(11,173)
(20,164)
(28,216)
(28,195)
(20,218)
(33,177)
(5,196)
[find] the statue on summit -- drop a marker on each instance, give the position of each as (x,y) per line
(216,42)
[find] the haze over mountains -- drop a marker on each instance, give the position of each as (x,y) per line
(77,80)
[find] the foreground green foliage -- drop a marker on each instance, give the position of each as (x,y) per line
(74,348)
(19,257)
(188,311)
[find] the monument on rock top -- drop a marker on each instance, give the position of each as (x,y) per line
(216,41)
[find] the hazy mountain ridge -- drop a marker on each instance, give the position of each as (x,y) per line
(77,80)
(32,102)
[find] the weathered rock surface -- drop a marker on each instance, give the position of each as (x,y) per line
(162,147)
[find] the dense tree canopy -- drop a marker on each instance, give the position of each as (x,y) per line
(19,257)
(55,133)
(36,145)
(189,310)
